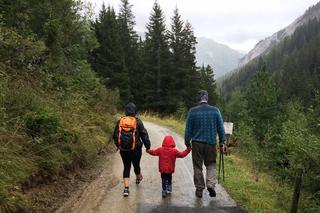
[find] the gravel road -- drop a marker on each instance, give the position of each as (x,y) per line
(104,195)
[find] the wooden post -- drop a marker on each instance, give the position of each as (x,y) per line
(296,193)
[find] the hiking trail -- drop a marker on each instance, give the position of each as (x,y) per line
(104,194)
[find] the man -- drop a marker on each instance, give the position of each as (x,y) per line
(134,153)
(203,124)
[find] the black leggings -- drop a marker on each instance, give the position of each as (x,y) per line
(129,157)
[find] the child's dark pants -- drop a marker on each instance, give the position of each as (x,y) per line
(166,180)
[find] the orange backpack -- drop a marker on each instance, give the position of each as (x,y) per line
(127,133)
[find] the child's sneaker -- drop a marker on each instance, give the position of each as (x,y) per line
(164,193)
(126,192)
(139,178)
(169,189)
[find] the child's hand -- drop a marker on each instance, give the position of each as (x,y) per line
(190,146)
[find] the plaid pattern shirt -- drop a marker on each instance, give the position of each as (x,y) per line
(203,124)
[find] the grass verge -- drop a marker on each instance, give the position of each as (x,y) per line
(47,132)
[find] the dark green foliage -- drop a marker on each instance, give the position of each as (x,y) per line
(159,73)
(19,51)
(294,64)
(191,73)
(157,60)
(116,59)
(177,82)
(54,113)
(263,103)
(129,43)
(58,24)
(42,125)
(208,83)
(276,112)
(236,108)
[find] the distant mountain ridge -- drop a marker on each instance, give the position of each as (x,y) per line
(219,56)
(264,46)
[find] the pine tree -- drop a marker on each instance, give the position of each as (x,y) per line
(129,43)
(177,83)
(263,105)
(191,73)
(208,83)
(157,60)
(108,59)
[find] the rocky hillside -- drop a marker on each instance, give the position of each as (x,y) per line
(219,56)
(264,46)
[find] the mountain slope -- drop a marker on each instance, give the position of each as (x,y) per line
(294,64)
(219,56)
(264,46)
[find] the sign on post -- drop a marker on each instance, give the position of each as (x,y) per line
(228,128)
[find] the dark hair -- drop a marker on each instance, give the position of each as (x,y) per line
(131,109)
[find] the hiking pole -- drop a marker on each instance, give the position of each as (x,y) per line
(220,159)
(222,166)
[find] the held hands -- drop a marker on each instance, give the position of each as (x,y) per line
(190,146)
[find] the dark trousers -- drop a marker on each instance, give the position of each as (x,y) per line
(166,180)
(203,153)
(131,157)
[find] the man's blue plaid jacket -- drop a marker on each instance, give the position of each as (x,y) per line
(203,124)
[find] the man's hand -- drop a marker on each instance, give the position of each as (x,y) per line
(223,148)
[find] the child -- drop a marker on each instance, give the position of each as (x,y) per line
(167,160)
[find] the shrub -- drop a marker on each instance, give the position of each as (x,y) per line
(303,147)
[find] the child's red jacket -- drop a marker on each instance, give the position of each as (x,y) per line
(168,154)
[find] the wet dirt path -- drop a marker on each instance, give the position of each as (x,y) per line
(104,194)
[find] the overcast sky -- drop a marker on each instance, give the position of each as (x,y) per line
(238,23)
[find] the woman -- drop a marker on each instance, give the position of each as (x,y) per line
(129,134)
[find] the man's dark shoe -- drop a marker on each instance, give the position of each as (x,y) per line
(212,193)
(199,193)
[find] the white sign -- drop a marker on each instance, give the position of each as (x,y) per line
(228,127)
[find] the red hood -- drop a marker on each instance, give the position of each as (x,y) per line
(168,142)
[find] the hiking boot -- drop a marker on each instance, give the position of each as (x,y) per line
(199,193)
(169,189)
(212,193)
(126,192)
(139,178)
(164,193)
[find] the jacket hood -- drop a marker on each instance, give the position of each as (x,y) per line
(131,109)
(168,142)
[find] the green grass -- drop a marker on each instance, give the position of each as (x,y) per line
(253,190)
(45,131)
